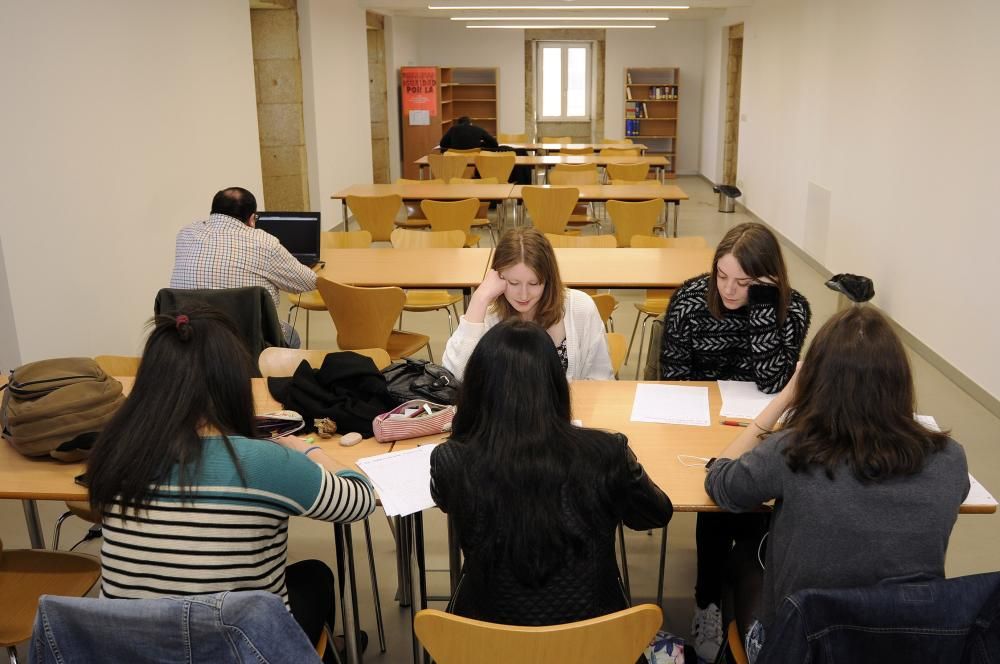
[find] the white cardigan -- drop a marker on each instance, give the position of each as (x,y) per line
(586,345)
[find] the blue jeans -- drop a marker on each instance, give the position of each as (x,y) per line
(225,627)
(754,641)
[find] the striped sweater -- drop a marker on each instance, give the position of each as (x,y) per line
(745,344)
(224,536)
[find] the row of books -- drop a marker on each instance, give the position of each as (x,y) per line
(632,128)
(657,92)
(636,109)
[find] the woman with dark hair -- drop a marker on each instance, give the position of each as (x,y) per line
(535,499)
(863,492)
(523,282)
(741,321)
(192,501)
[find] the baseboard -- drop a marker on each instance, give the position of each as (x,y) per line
(948,370)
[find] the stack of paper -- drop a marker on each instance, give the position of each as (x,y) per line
(742,399)
(671,404)
(402,479)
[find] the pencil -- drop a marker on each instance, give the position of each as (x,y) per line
(734,423)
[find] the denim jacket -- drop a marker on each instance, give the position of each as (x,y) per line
(899,620)
(230,627)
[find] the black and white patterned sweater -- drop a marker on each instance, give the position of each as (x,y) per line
(745,344)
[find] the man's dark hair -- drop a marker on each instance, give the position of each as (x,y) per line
(235,202)
(465,119)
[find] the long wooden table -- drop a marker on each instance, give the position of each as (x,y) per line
(544,162)
(670,194)
(630,268)
(596,147)
(407,268)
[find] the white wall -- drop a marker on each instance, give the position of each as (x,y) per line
(335,104)
(121,120)
(10,349)
(675,44)
(870,141)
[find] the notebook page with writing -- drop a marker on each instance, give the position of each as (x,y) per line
(402,479)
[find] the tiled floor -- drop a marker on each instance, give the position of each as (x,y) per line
(975,544)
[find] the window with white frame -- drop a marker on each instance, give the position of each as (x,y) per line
(563,81)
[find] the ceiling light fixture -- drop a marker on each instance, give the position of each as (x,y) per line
(575,27)
(559,7)
(558,18)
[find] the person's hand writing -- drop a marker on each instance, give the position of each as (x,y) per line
(297,443)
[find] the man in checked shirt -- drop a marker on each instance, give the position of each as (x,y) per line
(226,251)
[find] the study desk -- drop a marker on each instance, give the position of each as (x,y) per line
(544,162)
(670,194)
(556,147)
(630,268)
(419,191)
(407,268)
(28,480)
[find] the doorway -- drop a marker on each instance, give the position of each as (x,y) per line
(377,97)
(734,75)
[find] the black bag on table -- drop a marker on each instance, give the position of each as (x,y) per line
(419,379)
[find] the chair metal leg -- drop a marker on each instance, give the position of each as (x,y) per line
(58,529)
(378,604)
(663,562)
(307,328)
(621,545)
(12,654)
(451,329)
(430,353)
(635,327)
(642,343)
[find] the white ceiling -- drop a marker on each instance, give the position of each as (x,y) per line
(699,9)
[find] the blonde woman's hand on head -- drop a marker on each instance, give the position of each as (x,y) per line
(492,287)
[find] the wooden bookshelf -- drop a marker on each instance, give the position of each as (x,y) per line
(471,91)
(652,95)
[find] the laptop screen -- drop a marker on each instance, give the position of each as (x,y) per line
(298,232)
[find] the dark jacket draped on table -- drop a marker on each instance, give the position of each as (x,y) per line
(588,584)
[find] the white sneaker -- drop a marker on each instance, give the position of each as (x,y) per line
(706,630)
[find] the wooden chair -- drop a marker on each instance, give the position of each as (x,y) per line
(364,318)
(617,638)
(495,165)
(414,215)
(634,218)
(310,300)
(616,348)
(463,151)
(429,299)
(376,214)
(578,241)
(606,305)
(482,219)
(512,138)
(26,575)
(631,172)
(550,208)
(556,139)
(448,166)
(576,174)
(616,140)
(276,361)
(620,152)
(453,215)
(588,150)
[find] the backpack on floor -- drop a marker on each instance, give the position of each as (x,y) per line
(57,407)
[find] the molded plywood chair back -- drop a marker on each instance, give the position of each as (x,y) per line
(448,166)
(655,241)
(620,152)
(404,238)
(284,361)
(578,174)
(364,318)
(512,138)
(586,150)
(376,214)
(631,172)
(616,349)
(463,151)
(453,215)
(496,165)
(634,218)
(26,575)
(617,638)
(606,304)
(616,140)
(414,215)
(490,180)
(582,241)
(556,139)
(550,207)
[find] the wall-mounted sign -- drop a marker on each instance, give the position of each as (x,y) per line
(419,89)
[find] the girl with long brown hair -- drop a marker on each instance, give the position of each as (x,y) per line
(863,492)
(523,282)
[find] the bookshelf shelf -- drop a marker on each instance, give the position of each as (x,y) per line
(652,95)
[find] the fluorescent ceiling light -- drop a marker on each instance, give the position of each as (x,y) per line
(577,26)
(560,7)
(557,18)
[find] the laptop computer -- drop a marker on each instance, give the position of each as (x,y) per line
(298,232)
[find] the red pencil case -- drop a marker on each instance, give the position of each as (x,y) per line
(413,419)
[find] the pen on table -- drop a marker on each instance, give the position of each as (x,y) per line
(734,423)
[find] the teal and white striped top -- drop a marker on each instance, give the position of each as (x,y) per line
(224,535)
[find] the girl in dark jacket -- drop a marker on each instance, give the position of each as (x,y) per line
(535,499)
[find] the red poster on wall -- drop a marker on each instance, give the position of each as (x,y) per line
(419,88)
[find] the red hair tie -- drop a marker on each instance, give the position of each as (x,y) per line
(181,320)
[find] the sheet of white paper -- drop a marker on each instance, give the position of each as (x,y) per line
(671,404)
(402,479)
(418,118)
(978,495)
(742,399)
